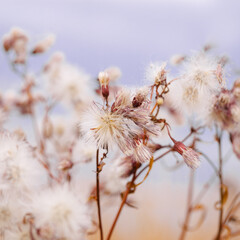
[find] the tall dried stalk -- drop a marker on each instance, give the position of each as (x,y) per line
(98,195)
(128,189)
(220,174)
(189,206)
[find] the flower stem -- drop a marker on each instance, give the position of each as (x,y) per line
(189,206)
(98,196)
(219,141)
(129,185)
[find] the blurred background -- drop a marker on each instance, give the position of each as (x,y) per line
(95,34)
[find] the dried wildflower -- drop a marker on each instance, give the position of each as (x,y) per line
(225,111)
(122,125)
(115,175)
(177,59)
(43,45)
(18,167)
(103,78)
(16,40)
(141,153)
(66,82)
(190,157)
(64,134)
(202,79)
(203,72)
(59,213)
(137,110)
(105,128)
(8,211)
(83,152)
(156,73)
(140,97)
(122,101)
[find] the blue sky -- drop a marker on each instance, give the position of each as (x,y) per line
(97,33)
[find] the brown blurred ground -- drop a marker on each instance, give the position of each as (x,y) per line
(161,209)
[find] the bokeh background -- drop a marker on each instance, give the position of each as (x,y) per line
(95,34)
(128,33)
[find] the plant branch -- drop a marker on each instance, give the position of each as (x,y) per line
(128,190)
(219,141)
(189,206)
(98,195)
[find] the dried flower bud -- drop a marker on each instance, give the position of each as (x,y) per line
(10,40)
(207,47)
(190,157)
(44,44)
(104,81)
(160,101)
(140,97)
(161,76)
(7,43)
(177,59)
(103,78)
(138,100)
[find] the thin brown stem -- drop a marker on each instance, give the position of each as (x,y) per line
(170,150)
(189,206)
(156,159)
(98,195)
(219,141)
(129,186)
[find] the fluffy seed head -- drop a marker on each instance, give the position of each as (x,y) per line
(156,73)
(190,157)
(59,214)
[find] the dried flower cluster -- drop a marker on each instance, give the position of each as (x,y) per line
(76,119)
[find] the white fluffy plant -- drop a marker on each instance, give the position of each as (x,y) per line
(19,170)
(118,128)
(201,79)
(59,213)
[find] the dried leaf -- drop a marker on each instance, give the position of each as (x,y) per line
(224,190)
(198,207)
(100,166)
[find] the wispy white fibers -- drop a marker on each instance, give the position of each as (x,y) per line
(122,124)
(202,78)
(19,170)
(59,213)
(66,82)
